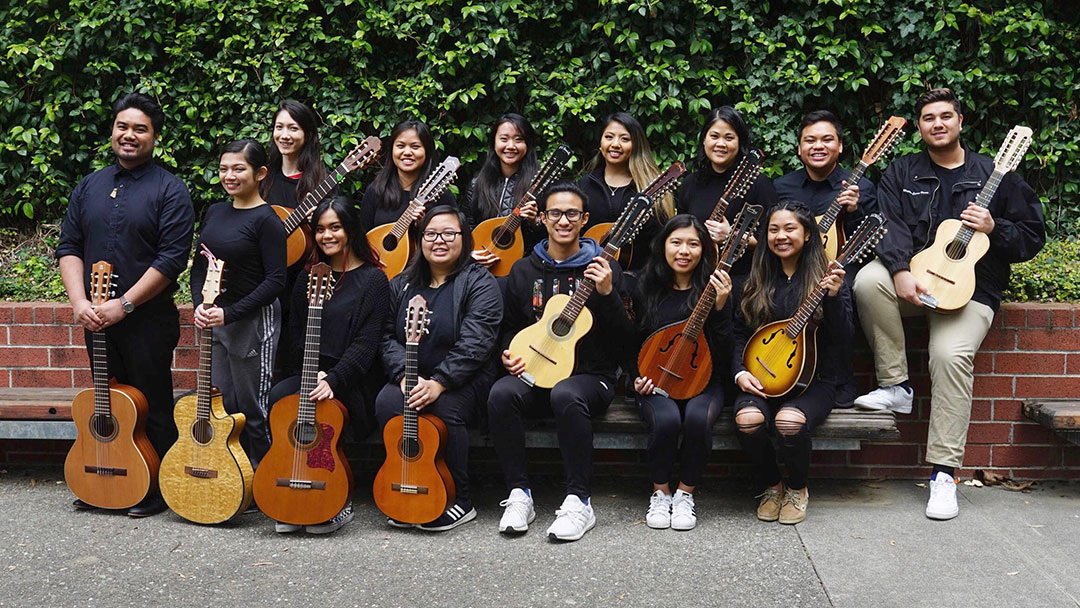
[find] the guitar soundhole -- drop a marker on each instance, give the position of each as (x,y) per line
(305,434)
(955,250)
(503,239)
(389,242)
(409,448)
(560,326)
(202,432)
(103,427)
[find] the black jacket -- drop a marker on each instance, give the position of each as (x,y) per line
(606,207)
(908,194)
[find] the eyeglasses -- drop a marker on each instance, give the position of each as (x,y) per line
(448,237)
(571,215)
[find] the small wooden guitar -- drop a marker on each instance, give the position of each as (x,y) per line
(206,476)
(547,346)
(299,242)
(830,223)
(501,236)
(947,267)
(390,240)
(782,355)
(414,484)
(305,479)
(746,172)
(112,464)
(676,357)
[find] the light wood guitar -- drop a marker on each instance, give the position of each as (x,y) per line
(112,464)
(676,357)
(547,346)
(206,476)
(502,236)
(390,241)
(414,484)
(947,267)
(299,243)
(782,355)
(304,479)
(830,223)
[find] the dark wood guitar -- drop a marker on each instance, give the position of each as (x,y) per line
(414,484)
(304,479)
(782,355)
(502,236)
(112,464)
(299,242)
(676,357)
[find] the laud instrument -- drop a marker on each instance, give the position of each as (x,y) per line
(746,172)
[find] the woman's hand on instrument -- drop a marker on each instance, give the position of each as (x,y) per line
(644,386)
(484,257)
(209,317)
(833,281)
(849,197)
(718,230)
(528,211)
(977,218)
(750,384)
(513,364)
(425,393)
(721,282)
(322,390)
(599,272)
(87,316)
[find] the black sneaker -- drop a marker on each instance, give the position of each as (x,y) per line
(845,395)
(453,517)
(82,506)
(343,517)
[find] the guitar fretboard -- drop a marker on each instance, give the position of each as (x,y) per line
(101,375)
(833,211)
(983,200)
(309,376)
(409,424)
(584,289)
(203,377)
(299,215)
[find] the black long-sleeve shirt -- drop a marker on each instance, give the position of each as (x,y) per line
(798,186)
(374,214)
(606,205)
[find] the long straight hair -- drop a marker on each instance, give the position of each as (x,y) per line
(487,193)
(310,161)
(386,184)
(658,276)
(350,222)
(758,306)
(418,272)
(643,167)
(732,117)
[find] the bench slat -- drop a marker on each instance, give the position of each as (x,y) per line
(1063,414)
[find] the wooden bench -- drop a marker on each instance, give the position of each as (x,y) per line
(1060,415)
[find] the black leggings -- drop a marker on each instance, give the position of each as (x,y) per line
(573,402)
(695,417)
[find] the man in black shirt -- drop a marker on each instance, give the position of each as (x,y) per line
(138,217)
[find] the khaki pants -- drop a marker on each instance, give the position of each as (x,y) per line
(954,340)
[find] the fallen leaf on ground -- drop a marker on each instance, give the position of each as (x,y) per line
(975,483)
(33,482)
(854,536)
(1036,526)
(1017,486)
(892,542)
(262,564)
(1013,573)
(921,485)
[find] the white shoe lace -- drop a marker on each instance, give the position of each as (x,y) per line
(517,507)
(659,505)
(576,516)
(683,507)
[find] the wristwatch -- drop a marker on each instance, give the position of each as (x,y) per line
(126,305)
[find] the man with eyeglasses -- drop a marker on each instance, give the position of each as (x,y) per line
(556,266)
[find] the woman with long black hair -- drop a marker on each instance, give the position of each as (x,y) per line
(296,164)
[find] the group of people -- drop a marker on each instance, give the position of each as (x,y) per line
(139,217)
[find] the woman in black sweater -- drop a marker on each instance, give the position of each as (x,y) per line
(785,270)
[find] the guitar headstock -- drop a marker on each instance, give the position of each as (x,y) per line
(746,223)
(666,181)
(417,319)
(363,154)
(862,243)
(211,288)
(101,283)
(320,285)
(632,219)
(745,174)
(439,180)
(887,137)
(550,171)
(1013,149)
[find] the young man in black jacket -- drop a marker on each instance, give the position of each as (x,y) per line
(558,264)
(918,192)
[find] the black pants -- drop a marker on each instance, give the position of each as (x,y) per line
(360,414)
(573,402)
(665,418)
(140,351)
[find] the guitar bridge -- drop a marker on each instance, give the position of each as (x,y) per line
(408,488)
(670,373)
(940,276)
(108,471)
(300,484)
(201,473)
(537,351)
(765,367)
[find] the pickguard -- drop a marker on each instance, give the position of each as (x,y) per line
(322,455)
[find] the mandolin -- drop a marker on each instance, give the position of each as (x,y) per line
(502,236)
(304,479)
(389,240)
(746,173)
(547,346)
(112,464)
(782,355)
(299,243)
(947,267)
(830,223)
(206,476)
(414,484)
(676,357)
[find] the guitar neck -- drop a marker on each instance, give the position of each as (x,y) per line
(697,319)
(833,211)
(409,428)
(584,289)
(313,198)
(309,376)
(805,312)
(983,200)
(203,382)
(101,375)
(513,221)
(720,209)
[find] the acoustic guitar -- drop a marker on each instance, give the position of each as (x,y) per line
(414,484)
(299,242)
(830,223)
(502,236)
(390,241)
(746,172)
(112,464)
(782,355)
(304,479)
(206,476)
(676,357)
(947,267)
(547,346)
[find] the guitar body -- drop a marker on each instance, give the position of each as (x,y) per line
(429,488)
(833,238)
(951,281)
(298,243)
(680,367)
(548,351)
(112,463)
(783,365)
(599,234)
(304,455)
(207,481)
(509,248)
(393,253)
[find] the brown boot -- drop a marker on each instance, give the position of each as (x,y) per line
(769,507)
(793,510)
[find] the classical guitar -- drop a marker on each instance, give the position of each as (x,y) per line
(676,357)
(304,478)
(740,183)
(414,484)
(782,355)
(390,240)
(947,267)
(501,236)
(206,476)
(112,464)
(299,242)
(830,223)
(547,346)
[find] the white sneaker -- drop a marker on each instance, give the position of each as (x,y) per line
(683,516)
(894,398)
(343,517)
(942,503)
(572,520)
(283,528)
(519,512)
(658,516)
